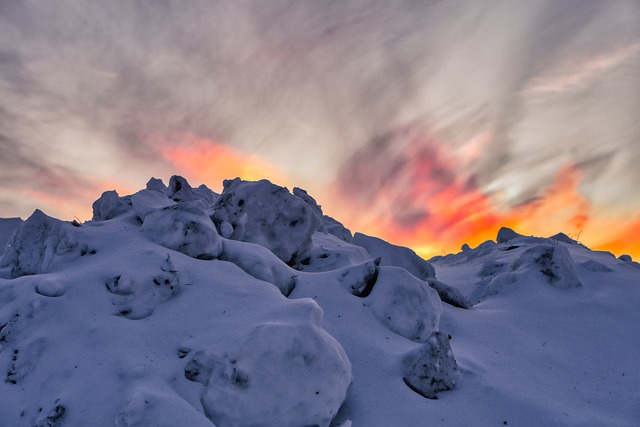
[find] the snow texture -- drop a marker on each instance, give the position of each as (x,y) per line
(397,256)
(38,245)
(305,364)
(7,227)
(185,228)
(173,307)
(110,205)
(553,261)
(260,263)
(407,305)
(268,215)
(431,368)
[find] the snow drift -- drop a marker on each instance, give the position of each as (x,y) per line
(179,306)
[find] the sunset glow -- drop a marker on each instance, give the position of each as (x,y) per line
(209,162)
(420,201)
(437,211)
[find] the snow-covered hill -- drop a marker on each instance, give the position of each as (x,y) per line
(177,306)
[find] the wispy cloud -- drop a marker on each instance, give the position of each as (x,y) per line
(514,91)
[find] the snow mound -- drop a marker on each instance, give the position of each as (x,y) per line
(282,374)
(135,294)
(399,256)
(179,190)
(185,228)
(110,205)
(177,306)
(38,245)
(553,261)
(396,256)
(505,234)
(146,202)
(329,252)
(260,263)
(268,215)
(431,368)
(405,304)
(359,279)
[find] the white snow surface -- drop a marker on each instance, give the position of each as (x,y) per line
(172,308)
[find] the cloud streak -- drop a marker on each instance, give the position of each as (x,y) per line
(515,91)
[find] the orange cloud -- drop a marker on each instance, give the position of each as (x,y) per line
(417,199)
(206,161)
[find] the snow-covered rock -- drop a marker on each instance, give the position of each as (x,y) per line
(146,201)
(399,256)
(260,263)
(553,261)
(431,368)
(179,190)
(505,234)
(110,205)
(359,279)
(39,244)
(406,305)
(282,374)
(329,252)
(266,214)
(185,228)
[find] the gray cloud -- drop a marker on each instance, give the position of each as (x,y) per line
(87,88)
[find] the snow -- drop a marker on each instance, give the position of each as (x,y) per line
(266,214)
(185,228)
(178,306)
(7,227)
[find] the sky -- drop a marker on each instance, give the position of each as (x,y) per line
(428,123)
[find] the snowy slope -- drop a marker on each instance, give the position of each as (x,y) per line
(178,306)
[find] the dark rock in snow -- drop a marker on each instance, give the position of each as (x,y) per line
(431,368)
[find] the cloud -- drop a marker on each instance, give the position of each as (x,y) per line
(515,91)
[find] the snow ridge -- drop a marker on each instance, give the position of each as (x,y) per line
(180,306)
